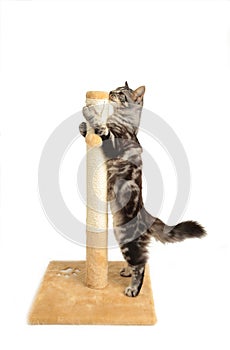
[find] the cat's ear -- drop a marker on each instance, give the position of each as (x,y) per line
(139,93)
(126,85)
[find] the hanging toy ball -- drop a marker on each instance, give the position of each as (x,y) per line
(93,140)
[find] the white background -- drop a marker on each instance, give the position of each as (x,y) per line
(51,54)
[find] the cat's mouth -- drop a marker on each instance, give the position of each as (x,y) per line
(118,98)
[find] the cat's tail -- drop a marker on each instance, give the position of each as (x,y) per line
(171,234)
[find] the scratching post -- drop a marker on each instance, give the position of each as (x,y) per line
(92,291)
(97,217)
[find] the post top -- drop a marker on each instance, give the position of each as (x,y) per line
(97,95)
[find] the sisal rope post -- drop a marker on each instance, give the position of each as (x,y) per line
(86,305)
(97,213)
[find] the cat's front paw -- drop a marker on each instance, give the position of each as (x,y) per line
(131,291)
(87,112)
(91,114)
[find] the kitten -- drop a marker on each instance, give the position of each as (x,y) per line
(133,225)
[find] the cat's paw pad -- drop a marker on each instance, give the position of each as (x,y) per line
(125,272)
(131,291)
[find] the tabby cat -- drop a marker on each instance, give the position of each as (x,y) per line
(133,225)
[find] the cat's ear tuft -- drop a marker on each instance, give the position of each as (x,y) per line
(139,93)
(126,85)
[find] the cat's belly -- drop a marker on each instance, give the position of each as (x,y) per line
(124,188)
(133,228)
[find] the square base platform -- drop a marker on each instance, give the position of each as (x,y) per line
(63,298)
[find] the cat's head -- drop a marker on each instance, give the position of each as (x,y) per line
(124,97)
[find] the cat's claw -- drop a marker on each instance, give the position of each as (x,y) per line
(131,291)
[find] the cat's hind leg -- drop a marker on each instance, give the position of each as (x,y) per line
(136,281)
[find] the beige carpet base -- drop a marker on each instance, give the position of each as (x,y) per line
(63,298)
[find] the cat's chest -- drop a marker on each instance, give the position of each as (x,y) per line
(125,171)
(119,168)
